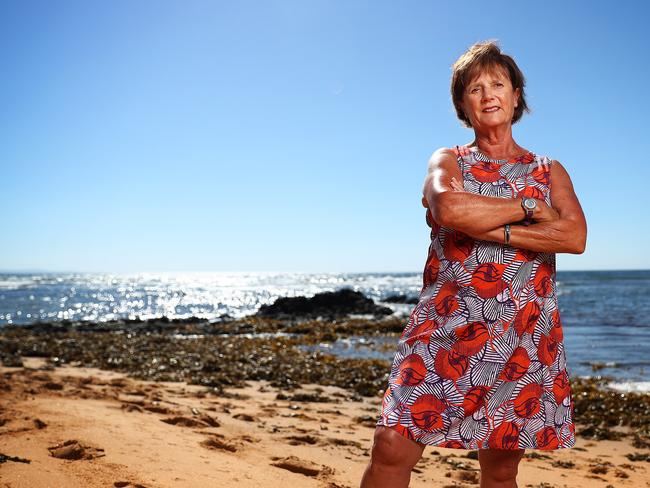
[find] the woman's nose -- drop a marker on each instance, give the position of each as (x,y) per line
(487,95)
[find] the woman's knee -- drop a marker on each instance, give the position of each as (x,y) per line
(500,466)
(390,448)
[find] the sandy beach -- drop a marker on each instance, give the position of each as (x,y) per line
(88,427)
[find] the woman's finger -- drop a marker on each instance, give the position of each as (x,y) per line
(455,184)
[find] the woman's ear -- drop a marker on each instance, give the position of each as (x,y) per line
(517,94)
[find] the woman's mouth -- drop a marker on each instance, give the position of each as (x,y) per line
(491,109)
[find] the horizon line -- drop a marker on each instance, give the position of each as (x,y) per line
(34,271)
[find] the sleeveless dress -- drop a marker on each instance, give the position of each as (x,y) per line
(481,361)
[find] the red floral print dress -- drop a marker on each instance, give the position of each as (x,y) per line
(481,362)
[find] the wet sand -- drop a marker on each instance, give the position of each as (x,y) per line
(88,427)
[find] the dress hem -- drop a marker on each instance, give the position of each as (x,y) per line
(443,446)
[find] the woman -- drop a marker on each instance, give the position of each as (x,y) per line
(481,362)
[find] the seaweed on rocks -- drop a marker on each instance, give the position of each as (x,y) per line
(249,325)
(600,410)
(211,360)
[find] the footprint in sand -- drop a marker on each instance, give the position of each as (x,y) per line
(119,382)
(210,420)
(301,466)
(131,407)
(217,443)
(74,450)
(202,420)
(53,385)
(40,377)
(471,477)
(296,440)
(343,442)
(249,439)
(155,408)
(184,422)
(245,416)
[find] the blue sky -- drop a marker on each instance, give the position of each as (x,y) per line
(294,136)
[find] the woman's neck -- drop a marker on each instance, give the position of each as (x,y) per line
(497,145)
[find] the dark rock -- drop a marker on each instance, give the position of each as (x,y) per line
(328,304)
(401,298)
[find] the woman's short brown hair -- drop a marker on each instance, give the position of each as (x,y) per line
(479,57)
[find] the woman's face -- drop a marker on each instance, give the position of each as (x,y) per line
(489,99)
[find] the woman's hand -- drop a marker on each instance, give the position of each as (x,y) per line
(544,213)
(456,185)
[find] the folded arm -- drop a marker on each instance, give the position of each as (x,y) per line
(567,233)
(556,236)
(467,212)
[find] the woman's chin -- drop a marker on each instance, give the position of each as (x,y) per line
(491,122)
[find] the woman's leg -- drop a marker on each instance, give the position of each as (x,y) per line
(392,459)
(499,467)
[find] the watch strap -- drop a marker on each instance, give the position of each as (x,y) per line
(528,214)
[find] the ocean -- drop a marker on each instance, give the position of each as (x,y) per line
(605,314)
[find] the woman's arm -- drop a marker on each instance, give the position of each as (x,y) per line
(568,233)
(540,237)
(464,211)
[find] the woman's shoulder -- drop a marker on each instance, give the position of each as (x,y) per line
(444,151)
(442,156)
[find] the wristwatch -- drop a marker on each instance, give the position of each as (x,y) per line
(529,205)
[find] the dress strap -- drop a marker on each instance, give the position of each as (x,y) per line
(543,160)
(460,158)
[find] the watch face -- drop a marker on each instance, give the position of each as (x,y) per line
(530,203)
